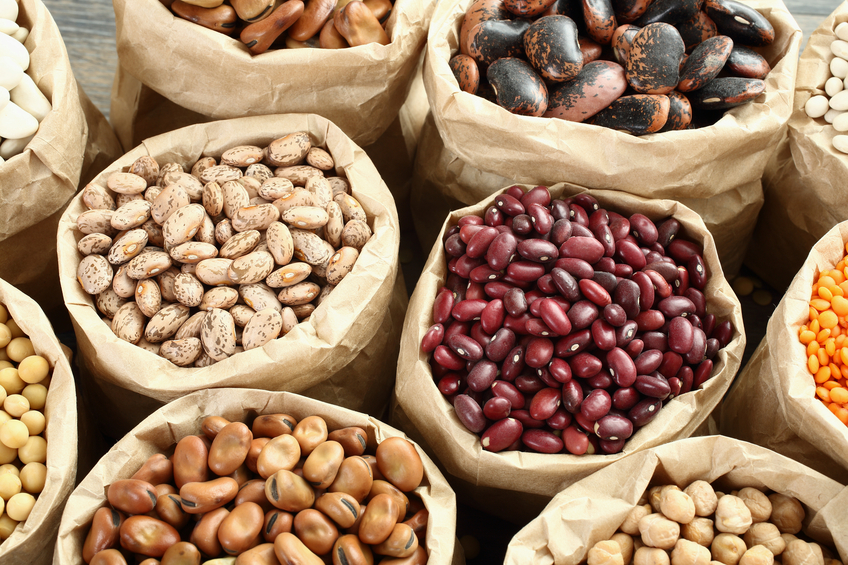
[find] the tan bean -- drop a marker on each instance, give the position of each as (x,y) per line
(262,554)
(170,510)
(417,558)
(375,470)
(211,425)
(156,470)
(350,550)
(418,523)
(128,323)
(241,475)
(169,200)
(220,174)
(191,327)
(310,433)
(243,155)
(104,532)
(240,528)
(147,168)
(289,492)
(229,448)
(321,191)
(316,531)
(148,297)
(95,197)
(240,244)
(263,327)
(251,268)
(190,457)
(295,198)
(322,465)
(298,174)
(289,549)
(380,486)
(147,536)
(253,490)
(289,275)
(281,453)
(351,208)
(354,478)
(166,284)
(316,13)
(276,522)
(188,290)
(214,271)
(169,173)
(260,296)
(253,453)
(108,557)
(218,334)
(125,198)
(201,165)
(289,320)
(356,234)
(126,183)
(222,297)
(402,542)
(273,425)
(400,463)
(342,508)
(198,498)
(273,187)
(132,496)
(317,157)
(94,274)
(359,26)
(354,440)
(165,323)
(148,264)
(193,252)
(154,233)
(255,217)
(205,533)
(131,215)
(280,243)
(378,520)
(299,294)
(94,244)
(221,18)
(213,198)
(182,553)
(341,264)
(305,217)
(335,224)
(183,224)
(96,221)
(339,185)
(289,150)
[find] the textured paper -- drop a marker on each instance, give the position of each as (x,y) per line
(163,429)
(367,306)
(32,542)
(424,412)
(360,89)
(805,182)
(775,403)
(36,184)
(592,509)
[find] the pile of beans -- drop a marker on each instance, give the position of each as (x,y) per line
(545,58)
(565,326)
(699,526)
(270,24)
(24,380)
(280,490)
(22,104)
(825,338)
(223,259)
(835,104)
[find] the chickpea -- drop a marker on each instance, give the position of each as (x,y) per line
(650,556)
(703,496)
(16,405)
(34,450)
(728,548)
(605,552)
(33,369)
(788,538)
(10,485)
(658,531)
(799,552)
(631,523)
(11,381)
(757,502)
(36,395)
(757,555)
(732,515)
(787,513)
(767,535)
(34,421)
(699,530)
(625,542)
(687,552)
(19,506)
(677,505)
(19,349)
(9,468)
(33,476)
(7,454)
(654,494)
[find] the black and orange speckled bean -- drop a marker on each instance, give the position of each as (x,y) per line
(742,23)
(464,68)
(496,39)
(527,8)
(704,63)
(679,112)
(670,11)
(591,50)
(622,39)
(698,29)
(628,11)
(568,8)
(478,12)
(552,48)
(747,63)
(595,88)
(518,88)
(653,64)
(637,114)
(726,92)
(600,20)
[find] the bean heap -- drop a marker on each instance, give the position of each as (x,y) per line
(835,104)
(261,24)
(24,380)
(543,58)
(221,240)
(825,338)
(280,491)
(565,325)
(699,526)
(22,104)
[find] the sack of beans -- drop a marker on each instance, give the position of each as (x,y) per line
(803,182)
(51,134)
(713,168)
(695,500)
(287,241)
(254,449)
(782,400)
(563,373)
(245,58)
(38,433)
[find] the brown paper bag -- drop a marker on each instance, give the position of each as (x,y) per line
(32,542)
(562,535)
(132,382)
(37,184)
(513,475)
(804,183)
(775,403)
(360,89)
(163,429)
(444,182)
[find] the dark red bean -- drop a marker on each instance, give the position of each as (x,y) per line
(542,220)
(539,352)
(652,257)
(628,295)
(465,264)
(623,270)
(625,334)
(468,231)
(621,367)
(457,286)
(479,243)
(607,280)
(723,332)
(695,321)
(522,224)
(654,385)
(602,380)
(578,215)
(560,420)
(492,316)
(496,289)
(442,306)
(529,384)
(698,299)
(573,343)
(454,246)
(546,285)
(466,347)
(515,302)
(516,192)
(497,408)
(619,225)
(527,421)
(588,249)
(581,231)
(614,314)
(450,384)
(585,365)
(674,306)
(655,340)
(469,413)
(545,403)
(603,234)
(644,411)
(586,201)
(671,364)
(603,334)
(537,195)
(667,231)
(661,287)
(674,384)
(560,232)
(584,423)
(554,316)
(650,320)
(484,274)
(468,310)
(581,314)
(513,364)
(509,205)
(599,217)
(542,441)
(667,270)
(629,253)
(537,327)
(566,284)
(500,345)
(575,267)
(432,338)
(712,348)
(448,359)
(538,250)
(625,398)
(501,434)
(699,348)
(606,265)
(697,272)
(482,375)
(681,285)
(596,405)
(518,324)
(493,217)
(611,446)
(470,220)
(560,209)
(702,373)
(456,327)
(572,396)
(595,292)
(576,442)
(508,391)
(643,229)
(634,348)
(544,373)
(525,270)
(501,251)
(479,335)
(646,290)
(687,378)
(613,427)
(560,370)
(648,361)
(681,335)
(681,250)
(476,290)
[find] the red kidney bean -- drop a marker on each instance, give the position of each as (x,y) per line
(542,219)
(559,209)
(522,224)
(702,373)
(554,316)
(650,320)
(465,264)
(501,434)
(695,321)
(457,285)
(595,293)
(625,398)
(450,384)
(546,285)
(516,192)
(527,271)
(560,420)
(497,408)
(545,376)
(676,306)
(661,287)
(681,250)
(623,270)
(538,250)
(651,256)
(454,246)
(712,348)
(493,217)
(602,380)
(537,195)
(468,309)
(455,328)
(566,284)
(681,335)
(469,413)
(448,359)
(479,335)
(468,231)
(537,327)
(508,391)
(634,348)
(681,285)
(581,231)
(578,215)
(501,251)
(509,205)
(588,249)
(560,370)
(643,229)
(603,334)
(442,306)
(613,427)
(585,365)
(596,404)
(469,220)
(621,367)
(626,333)
(671,364)
(538,352)
(573,343)
(482,375)
(619,225)
(674,384)
(479,243)
(496,289)
(492,316)
(697,272)
(529,384)
(572,396)
(560,232)
(655,340)
(514,363)
(599,217)
(432,338)
(542,441)
(545,403)
(667,231)
(648,361)
(628,295)
(605,265)
(501,344)
(698,299)
(586,201)
(629,253)
(607,280)
(646,290)
(582,313)
(576,442)
(644,411)
(527,421)
(699,348)
(654,385)
(687,378)
(723,332)
(484,274)
(614,314)
(667,270)
(604,235)
(466,347)
(515,302)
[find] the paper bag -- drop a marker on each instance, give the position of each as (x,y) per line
(133,382)
(32,542)
(444,182)
(163,429)
(513,475)
(36,184)
(805,182)
(360,89)
(592,509)
(775,403)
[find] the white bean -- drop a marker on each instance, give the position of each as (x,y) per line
(834,85)
(816,106)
